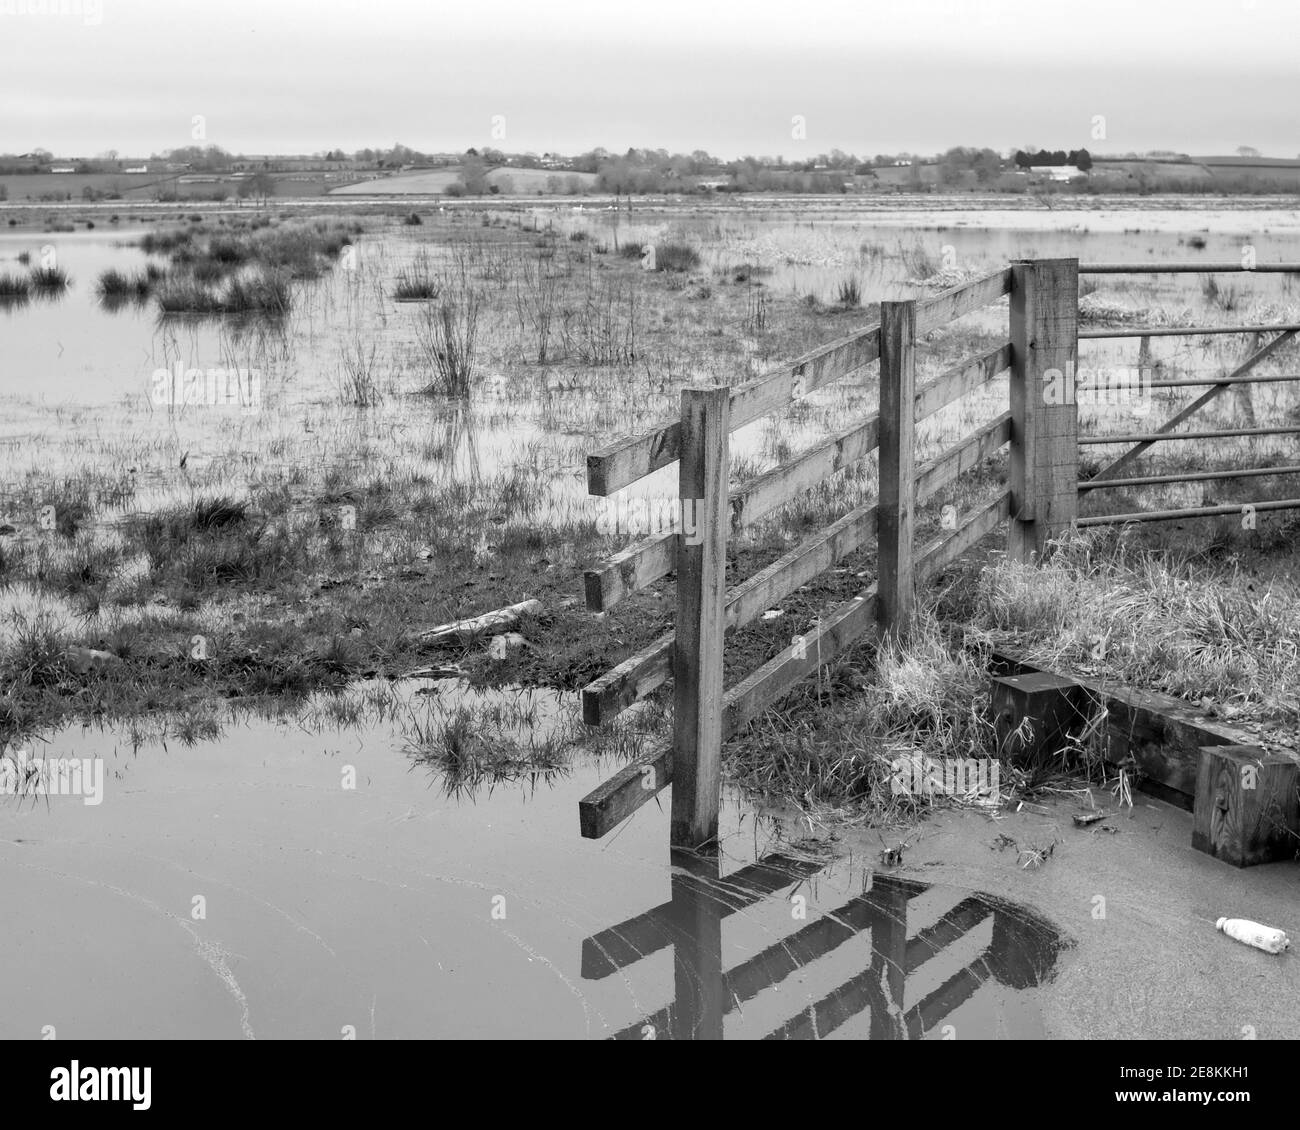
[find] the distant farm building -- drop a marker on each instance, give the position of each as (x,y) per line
(1055,172)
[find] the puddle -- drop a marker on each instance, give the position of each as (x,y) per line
(239,888)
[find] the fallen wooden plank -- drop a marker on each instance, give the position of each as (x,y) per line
(478,625)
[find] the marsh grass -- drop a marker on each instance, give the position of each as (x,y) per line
(918,260)
(1220,296)
(849,292)
(835,742)
(415,283)
(49,280)
(1154,619)
(359,384)
(115,288)
(264,293)
(15,289)
(487,744)
(676,257)
(447,329)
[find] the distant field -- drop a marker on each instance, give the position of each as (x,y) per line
(29,188)
(434,181)
(21,187)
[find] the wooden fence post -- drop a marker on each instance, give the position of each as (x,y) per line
(895,583)
(1045,417)
(701,606)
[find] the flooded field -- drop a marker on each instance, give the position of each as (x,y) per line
(222,595)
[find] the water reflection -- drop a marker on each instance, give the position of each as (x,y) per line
(1021,954)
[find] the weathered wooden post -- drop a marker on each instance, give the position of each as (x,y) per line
(895,584)
(1045,417)
(701,606)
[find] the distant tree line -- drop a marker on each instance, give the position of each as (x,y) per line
(1081,159)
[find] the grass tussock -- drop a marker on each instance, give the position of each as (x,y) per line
(488,743)
(1149,620)
(14,289)
(263,293)
(115,288)
(677,257)
(837,742)
(50,280)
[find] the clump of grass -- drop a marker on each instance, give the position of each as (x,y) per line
(1225,298)
(578,236)
(164,243)
(744,272)
(415,284)
(113,284)
(50,280)
(447,330)
(14,289)
(632,249)
(227,250)
(1154,620)
(266,292)
(413,220)
(917,260)
(677,257)
(359,385)
(24,257)
(1197,242)
(849,292)
(182,295)
(208,271)
(484,744)
(838,741)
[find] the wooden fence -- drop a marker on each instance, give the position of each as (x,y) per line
(1040,502)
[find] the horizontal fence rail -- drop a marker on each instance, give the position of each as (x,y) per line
(1189,512)
(1188,268)
(1189,331)
(1190,477)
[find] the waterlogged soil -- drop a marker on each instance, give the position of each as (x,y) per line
(282,883)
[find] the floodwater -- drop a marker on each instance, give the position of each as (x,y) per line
(239,889)
(70,353)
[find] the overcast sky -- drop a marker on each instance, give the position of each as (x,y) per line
(872,76)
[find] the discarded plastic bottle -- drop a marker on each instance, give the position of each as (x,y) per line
(1264,938)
